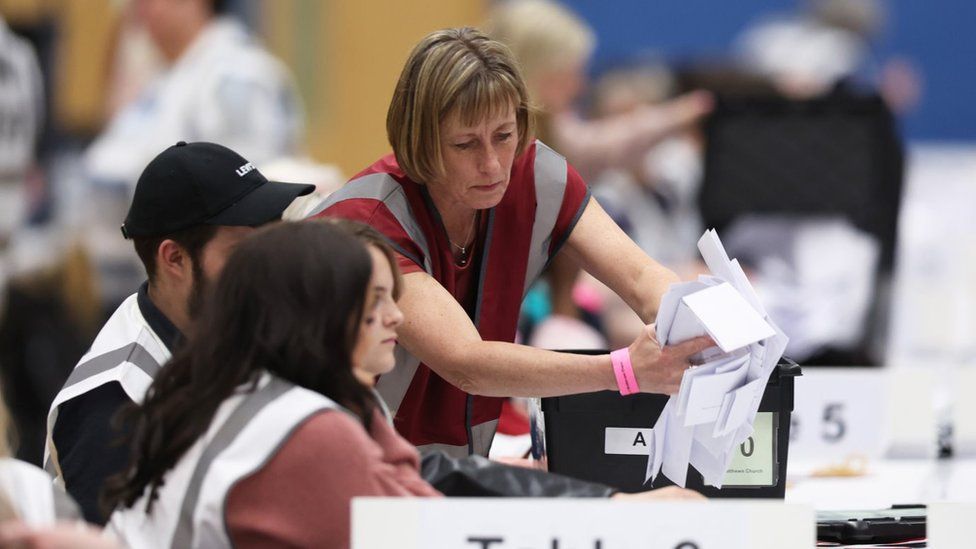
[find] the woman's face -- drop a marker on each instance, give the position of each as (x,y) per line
(477,160)
(373,354)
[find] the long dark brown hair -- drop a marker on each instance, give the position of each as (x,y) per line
(290,302)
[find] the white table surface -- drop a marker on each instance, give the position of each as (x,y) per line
(887,483)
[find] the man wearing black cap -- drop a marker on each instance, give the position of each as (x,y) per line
(193,203)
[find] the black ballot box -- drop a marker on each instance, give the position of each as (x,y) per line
(604,437)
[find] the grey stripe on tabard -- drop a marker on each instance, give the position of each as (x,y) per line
(393,386)
(235,423)
(49,466)
(132,353)
(65,508)
(460,451)
(484,433)
(482,436)
(550,187)
(382,187)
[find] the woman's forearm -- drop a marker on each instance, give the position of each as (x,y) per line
(494,368)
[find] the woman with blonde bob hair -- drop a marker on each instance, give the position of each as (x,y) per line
(475,209)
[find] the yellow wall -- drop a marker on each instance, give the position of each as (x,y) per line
(346,55)
(85,32)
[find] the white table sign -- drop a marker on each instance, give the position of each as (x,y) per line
(912,412)
(950,525)
(838,412)
(413,523)
(964,410)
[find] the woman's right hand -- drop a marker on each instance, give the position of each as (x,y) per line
(668,492)
(659,370)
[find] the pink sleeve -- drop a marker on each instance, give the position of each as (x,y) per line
(302,496)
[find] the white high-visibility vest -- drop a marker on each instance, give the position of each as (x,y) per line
(34,499)
(246,432)
(126,351)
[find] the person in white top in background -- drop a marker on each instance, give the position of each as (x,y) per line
(21,118)
(28,499)
(219,85)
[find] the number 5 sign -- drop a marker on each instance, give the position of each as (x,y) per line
(838,412)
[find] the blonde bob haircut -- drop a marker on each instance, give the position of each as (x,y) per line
(452,71)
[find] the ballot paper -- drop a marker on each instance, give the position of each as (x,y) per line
(716,404)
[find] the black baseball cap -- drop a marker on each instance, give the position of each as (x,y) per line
(204,184)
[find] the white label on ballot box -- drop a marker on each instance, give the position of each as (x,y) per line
(838,412)
(753,464)
(628,442)
(541,523)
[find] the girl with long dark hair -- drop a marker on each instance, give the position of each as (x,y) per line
(261,426)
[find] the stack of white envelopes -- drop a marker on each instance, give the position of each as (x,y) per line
(717,402)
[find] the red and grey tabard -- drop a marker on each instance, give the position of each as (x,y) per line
(519,236)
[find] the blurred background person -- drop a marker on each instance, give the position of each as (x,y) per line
(825,43)
(554,47)
(27,496)
(28,385)
(654,199)
(21,119)
(217,84)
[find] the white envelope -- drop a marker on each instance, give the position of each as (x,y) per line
(715,445)
(714,255)
(682,396)
(711,467)
(669,306)
(739,403)
(707,393)
(677,453)
(741,283)
(725,316)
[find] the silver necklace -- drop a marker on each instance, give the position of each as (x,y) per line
(463,251)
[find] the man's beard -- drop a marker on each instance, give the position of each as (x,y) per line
(198,292)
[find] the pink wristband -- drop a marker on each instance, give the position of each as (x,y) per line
(624,372)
